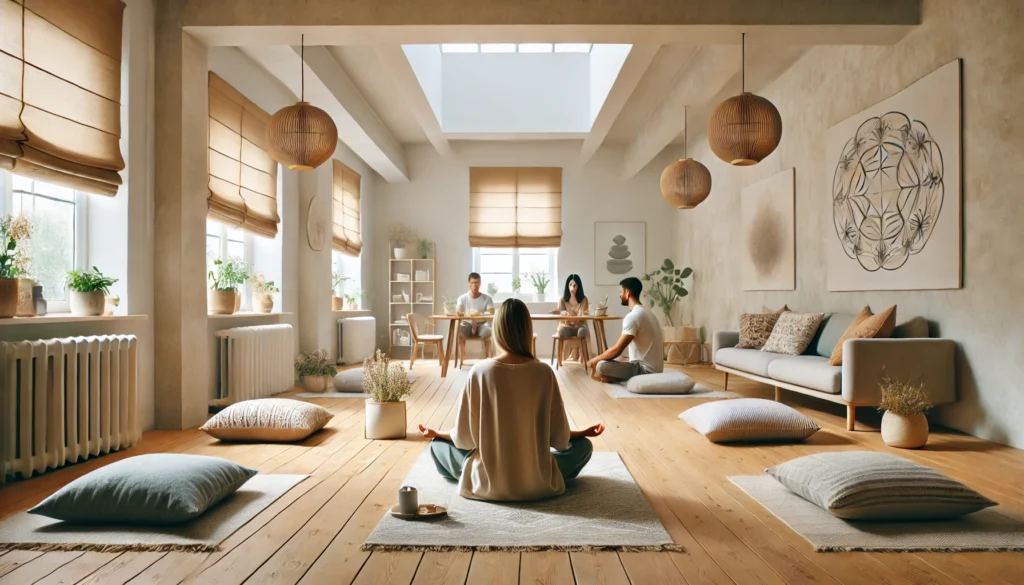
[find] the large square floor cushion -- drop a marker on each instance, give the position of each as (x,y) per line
(352,380)
(749,420)
(663,383)
(163,488)
(267,419)
(867,485)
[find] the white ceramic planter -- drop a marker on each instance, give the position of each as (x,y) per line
(538,298)
(221,302)
(318,384)
(385,420)
(904,431)
(87,304)
(401,253)
(262,302)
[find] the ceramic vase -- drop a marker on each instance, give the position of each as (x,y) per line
(262,302)
(385,420)
(26,306)
(87,304)
(401,253)
(337,303)
(904,431)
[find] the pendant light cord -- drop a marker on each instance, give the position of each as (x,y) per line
(302,57)
(743,62)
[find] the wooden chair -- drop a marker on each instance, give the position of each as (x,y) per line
(563,342)
(436,341)
(460,349)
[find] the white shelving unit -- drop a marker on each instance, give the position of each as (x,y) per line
(425,290)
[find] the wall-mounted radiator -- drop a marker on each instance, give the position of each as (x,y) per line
(254,362)
(355,339)
(65,400)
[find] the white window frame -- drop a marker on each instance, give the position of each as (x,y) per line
(552,267)
(247,257)
(81,260)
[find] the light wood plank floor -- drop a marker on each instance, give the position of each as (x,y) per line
(313,534)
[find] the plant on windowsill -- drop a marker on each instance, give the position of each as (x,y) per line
(540,281)
(401,236)
(14,233)
(492,289)
(338,281)
(316,370)
(225,279)
(263,291)
(89,290)
(904,424)
(387,384)
(664,287)
(517,285)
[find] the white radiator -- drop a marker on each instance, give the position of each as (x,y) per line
(65,400)
(254,362)
(355,339)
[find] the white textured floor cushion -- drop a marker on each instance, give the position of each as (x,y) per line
(866,485)
(267,419)
(748,419)
(352,380)
(663,383)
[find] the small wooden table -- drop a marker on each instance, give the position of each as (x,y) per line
(453,322)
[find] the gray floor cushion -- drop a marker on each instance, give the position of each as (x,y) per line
(663,383)
(352,380)
(747,420)
(753,361)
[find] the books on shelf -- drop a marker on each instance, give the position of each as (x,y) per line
(422,275)
(402,277)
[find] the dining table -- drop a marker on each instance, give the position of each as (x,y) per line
(453,322)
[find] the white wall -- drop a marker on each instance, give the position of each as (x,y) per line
(426,64)
(605,63)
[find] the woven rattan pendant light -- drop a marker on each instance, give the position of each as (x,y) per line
(685,183)
(301,137)
(746,128)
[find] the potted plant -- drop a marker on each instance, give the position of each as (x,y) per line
(14,232)
(904,424)
(401,236)
(351,301)
(387,384)
(316,370)
(664,287)
(601,309)
(492,288)
(424,248)
(517,285)
(223,297)
(89,291)
(338,281)
(262,293)
(450,305)
(540,281)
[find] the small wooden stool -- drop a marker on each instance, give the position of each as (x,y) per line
(563,342)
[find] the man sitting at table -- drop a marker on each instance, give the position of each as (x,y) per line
(474,303)
(641,332)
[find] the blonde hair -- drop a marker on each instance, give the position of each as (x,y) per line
(513,328)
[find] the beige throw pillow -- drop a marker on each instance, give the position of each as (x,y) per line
(748,419)
(755,329)
(865,326)
(780,311)
(793,332)
(267,419)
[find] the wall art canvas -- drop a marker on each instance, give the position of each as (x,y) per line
(620,250)
(894,183)
(767,215)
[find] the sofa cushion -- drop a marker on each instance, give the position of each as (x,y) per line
(829,332)
(668,382)
(755,329)
(793,333)
(807,371)
(748,419)
(866,326)
(753,361)
(267,419)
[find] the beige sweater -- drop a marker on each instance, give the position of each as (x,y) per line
(511,416)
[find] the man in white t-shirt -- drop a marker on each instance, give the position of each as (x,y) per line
(641,333)
(474,303)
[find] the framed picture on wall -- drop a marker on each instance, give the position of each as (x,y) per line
(620,250)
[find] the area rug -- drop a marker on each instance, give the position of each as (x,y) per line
(619,391)
(603,509)
(332,395)
(23,531)
(990,530)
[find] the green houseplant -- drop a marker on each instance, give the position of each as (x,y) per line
(424,248)
(540,281)
(316,370)
(401,236)
(338,281)
(517,285)
(225,278)
(387,384)
(492,288)
(450,305)
(904,424)
(15,233)
(262,293)
(89,290)
(664,287)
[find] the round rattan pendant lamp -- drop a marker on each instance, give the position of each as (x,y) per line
(685,183)
(744,129)
(301,137)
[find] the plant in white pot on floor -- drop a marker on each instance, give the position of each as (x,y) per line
(904,424)
(401,237)
(263,291)
(664,288)
(338,281)
(14,235)
(89,291)
(316,370)
(387,384)
(225,279)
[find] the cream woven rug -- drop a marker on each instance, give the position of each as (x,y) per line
(603,509)
(203,534)
(990,530)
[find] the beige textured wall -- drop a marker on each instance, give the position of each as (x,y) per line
(832,83)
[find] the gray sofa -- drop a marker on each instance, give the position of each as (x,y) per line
(909,354)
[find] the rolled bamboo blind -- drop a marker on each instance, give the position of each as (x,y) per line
(513,207)
(243,176)
(60,92)
(347,237)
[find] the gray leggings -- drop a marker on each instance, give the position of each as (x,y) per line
(449,459)
(621,370)
(581,332)
(466,330)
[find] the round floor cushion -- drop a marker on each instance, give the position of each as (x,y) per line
(664,383)
(352,380)
(747,420)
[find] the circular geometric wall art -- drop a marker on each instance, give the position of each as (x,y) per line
(887,191)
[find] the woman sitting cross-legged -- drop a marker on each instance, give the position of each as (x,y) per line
(511,440)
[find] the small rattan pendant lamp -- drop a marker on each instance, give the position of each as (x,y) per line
(746,128)
(301,137)
(686,182)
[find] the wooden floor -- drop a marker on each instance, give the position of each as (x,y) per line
(313,534)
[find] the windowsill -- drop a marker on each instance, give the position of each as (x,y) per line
(52,318)
(248,315)
(357,312)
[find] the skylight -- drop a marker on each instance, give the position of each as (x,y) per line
(460,48)
(572,47)
(535,47)
(513,47)
(498,48)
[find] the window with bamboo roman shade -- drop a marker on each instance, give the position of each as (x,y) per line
(243,176)
(347,237)
(513,207)
(60,92)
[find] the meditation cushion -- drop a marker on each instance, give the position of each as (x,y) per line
(164,488)
(793,332)
(866,485)
(267,419)
(664,383)
(748,419)
(352,380)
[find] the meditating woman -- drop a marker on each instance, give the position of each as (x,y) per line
(511,440)
(573,304)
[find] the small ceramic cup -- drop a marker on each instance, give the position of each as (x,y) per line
(408,500)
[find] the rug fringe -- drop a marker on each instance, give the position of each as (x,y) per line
(920,549)
(367,547)
(114,548)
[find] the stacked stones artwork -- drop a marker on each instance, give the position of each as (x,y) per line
(619,262)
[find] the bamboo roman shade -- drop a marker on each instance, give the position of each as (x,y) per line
(243,176)
(60,92)
(347,237)
(513,207)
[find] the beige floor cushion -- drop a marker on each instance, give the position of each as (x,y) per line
(671,382)
(867,485)
(748,420)
(267,419)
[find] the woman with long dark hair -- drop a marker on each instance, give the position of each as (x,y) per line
(573,304)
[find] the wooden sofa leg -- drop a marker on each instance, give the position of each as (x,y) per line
(726,386)
(851,416)
(778,394)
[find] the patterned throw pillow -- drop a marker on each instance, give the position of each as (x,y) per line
(755,329)
(793,332)
(865,326)
(267,419)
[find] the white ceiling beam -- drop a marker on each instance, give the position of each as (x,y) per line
(397,64)
(633,69)
(330,88)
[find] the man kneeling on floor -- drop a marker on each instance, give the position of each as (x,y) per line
(641,333)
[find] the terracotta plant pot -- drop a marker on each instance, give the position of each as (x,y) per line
(262,302)
(385,420)
(337,303)
(26,305)
(87,304)
(8,297)
(904,431)
(318,384)
(221,302)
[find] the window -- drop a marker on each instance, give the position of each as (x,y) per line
(460,48)
(58,240)
(498,48)
(572,47)
(499,265)
(535,47)
(351,267)
(227,243)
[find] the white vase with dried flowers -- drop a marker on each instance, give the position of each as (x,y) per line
(904,424)
(401,236)
(263,291)
(316,370)
(387,384)
(14,234)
